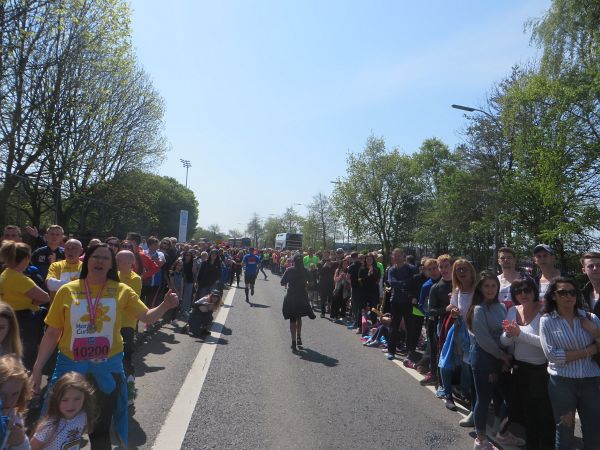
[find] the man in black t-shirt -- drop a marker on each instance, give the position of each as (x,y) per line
(353,270)
(400,279)
(52,252)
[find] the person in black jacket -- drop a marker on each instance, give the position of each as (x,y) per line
(590,263)
(326,285)
(209,274)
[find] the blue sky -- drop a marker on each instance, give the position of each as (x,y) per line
(266,98)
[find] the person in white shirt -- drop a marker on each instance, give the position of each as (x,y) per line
(530,404)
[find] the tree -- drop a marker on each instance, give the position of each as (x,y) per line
(380,194)
(137,201)
(255,229)
(272,227)
(321,212)
(292,220)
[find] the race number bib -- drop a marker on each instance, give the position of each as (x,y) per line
(92,342)
(91,348)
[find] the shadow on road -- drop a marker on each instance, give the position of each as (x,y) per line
(156,344)
(313,356)
(137,437)
(258,305)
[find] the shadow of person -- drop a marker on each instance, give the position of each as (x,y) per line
(258,305)
(313,356)
(137,436)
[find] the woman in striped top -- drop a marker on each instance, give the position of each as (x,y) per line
(568,337)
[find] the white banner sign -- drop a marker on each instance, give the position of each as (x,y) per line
(183,224)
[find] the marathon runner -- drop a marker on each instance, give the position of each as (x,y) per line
(250,262)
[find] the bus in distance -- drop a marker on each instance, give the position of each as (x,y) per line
(288,241)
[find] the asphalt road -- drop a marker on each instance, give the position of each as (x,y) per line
(259,395)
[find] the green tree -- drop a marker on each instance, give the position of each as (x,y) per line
(380,195)
(255,229)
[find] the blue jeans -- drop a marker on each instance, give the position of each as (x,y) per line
(486,375)
(466,381)
(568,395)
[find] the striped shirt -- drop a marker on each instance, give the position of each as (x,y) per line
(558,337)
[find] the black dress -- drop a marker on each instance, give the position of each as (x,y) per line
(295,302)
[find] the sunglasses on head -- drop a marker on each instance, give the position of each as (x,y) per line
(523,290)
(566,292)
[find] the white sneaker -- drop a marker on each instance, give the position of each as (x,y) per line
(483,445)
(509,439)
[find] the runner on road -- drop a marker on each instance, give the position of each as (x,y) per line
(250,262)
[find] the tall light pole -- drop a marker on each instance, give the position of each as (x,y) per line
(495,189)
(187,165)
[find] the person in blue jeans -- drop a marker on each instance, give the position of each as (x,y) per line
(488,360)
(569,337)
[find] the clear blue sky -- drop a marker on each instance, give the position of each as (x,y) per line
(265,98)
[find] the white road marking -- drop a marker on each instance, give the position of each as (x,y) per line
(173,431)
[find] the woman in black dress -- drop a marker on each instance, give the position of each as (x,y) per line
(295,302)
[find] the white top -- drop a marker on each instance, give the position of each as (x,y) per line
(527,345)
(504,294)
(67,436)
(543,288)
(462,301)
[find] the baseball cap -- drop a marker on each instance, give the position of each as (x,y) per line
(543,248)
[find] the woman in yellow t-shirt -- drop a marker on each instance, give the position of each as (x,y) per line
(21,292)
(85,321)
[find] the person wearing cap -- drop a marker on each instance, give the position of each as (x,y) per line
(250,262)
(545,258)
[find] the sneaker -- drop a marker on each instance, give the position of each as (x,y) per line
(408,363)
(450,404)
(373,344)
(311,315)
(483,445)
(390,356)
(439,393)
(509,439)
(467,422)
(429,380)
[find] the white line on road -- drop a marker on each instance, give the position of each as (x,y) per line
(173,431)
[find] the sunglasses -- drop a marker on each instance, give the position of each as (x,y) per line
(566,292)
(523,290)
(462,269)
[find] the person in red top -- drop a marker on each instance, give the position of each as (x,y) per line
(144,266)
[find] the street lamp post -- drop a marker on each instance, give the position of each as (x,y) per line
(495,246)
(187,165)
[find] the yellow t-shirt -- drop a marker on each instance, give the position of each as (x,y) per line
(13,286)
(69,312)
(134,281)
(64,271)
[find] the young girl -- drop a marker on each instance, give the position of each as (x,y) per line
(10,340)
(15,393)
(488,360)
(70,414)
